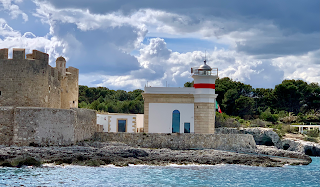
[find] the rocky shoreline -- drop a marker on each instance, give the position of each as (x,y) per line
(119,154)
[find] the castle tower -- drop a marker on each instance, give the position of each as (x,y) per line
(61,65)
(204,98)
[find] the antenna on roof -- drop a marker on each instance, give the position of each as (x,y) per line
(205,57)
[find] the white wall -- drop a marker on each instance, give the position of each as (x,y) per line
(102,119)
(160,116)
(139,120)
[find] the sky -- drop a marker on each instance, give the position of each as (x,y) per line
(125,44)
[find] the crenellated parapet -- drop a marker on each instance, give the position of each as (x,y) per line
(19,54)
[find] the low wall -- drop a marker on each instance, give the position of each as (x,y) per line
(23,126)
(180,141)
(86,124)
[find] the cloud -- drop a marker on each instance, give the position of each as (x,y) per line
(13,9)
(14,39)
(160,67)
(267,33)
(305,67)
(125,44)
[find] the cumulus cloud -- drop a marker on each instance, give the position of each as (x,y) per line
(260,43)
(13,9)
(15,39)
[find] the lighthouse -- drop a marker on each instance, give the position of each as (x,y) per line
(204,98)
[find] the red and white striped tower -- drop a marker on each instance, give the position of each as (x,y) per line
(204,98)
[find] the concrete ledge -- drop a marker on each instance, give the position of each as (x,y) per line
(180,141)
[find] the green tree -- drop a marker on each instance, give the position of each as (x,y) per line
(244,106)
(229,101)
(189,84)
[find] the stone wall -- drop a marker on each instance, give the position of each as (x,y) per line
(6,125)
(24,126)
(180,141)
(86,124)
(44,126)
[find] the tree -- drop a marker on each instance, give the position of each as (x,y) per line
(188,84)
(229,100)
(244,106)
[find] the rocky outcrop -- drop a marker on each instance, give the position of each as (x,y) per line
(309,148)
(100,153)
(262,136)
(274,151)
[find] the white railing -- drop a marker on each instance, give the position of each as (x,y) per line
(196,71)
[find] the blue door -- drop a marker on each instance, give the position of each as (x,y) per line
(122,125)
(186,127)
(175,121)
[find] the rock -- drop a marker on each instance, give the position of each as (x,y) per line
(20,161)
(122,155)
(274,151)
(308,148)
(29,161)
(262,136)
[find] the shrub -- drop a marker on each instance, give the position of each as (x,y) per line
(289,119)
(313,133)
(282,114)
(267,116)
(289,129)
(311,139)
(241,120)
(258,123)
(223,120)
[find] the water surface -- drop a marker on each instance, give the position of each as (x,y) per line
(174,175)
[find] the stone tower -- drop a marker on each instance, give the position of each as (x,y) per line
(27,80)
(204,98)
(61,65)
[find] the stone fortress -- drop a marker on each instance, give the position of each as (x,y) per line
(39,103)
(33,82)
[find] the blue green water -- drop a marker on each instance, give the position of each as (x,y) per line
(218,175)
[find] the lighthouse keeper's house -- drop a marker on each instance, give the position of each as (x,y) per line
(183,110)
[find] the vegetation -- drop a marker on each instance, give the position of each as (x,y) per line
(289,102)
(103,99)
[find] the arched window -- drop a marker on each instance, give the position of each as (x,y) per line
(175,121)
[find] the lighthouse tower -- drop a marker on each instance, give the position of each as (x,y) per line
(204,98)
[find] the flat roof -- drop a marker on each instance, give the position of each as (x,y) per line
(169,90)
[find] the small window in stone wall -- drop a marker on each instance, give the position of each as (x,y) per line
(0,93)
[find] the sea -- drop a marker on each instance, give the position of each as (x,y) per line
(172,175)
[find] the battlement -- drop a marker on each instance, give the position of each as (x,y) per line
(4,53)
(19,54)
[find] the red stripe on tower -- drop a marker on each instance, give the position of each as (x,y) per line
(203,85)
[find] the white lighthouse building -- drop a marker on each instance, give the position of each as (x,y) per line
(182,110)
